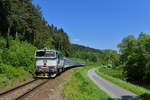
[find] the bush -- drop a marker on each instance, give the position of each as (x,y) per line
(3,43)
(11,75)
(4,81)
(19,54)
(16,62)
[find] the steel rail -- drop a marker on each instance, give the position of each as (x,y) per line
(15,88)
(31,90)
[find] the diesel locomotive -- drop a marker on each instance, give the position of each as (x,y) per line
(49,62)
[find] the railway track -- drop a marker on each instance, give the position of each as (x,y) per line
(23,90)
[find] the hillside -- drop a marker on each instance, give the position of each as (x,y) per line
(86,53)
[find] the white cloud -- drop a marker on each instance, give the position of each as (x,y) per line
(76,40)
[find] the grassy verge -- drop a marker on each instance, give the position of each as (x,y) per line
(116,73)
(13,77)
(80,87)
(133,88)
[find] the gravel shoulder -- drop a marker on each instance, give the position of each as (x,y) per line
(111,89)
(52,89)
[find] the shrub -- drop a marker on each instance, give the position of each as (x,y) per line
(4,81)
(10,75)
(2,43)
(19,54)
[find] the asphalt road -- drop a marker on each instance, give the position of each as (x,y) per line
(114,91)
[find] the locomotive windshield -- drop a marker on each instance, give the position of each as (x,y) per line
(40,54)
(49,54)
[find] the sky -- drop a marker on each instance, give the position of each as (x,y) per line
(100,24)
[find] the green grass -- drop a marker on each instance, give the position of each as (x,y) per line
(133,88)
(117,72)
(11,76)
(80,87)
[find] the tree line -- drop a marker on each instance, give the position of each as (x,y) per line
(86,53)
(21,19)
(135,56)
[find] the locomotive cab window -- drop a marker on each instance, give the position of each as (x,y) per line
(50,54)
(47,54)
(40,54)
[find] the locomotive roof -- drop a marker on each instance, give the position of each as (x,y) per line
(47,49)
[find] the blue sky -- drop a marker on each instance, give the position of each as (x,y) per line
(100,24)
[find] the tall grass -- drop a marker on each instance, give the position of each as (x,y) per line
(116,73)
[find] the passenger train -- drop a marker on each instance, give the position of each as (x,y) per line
(50,62)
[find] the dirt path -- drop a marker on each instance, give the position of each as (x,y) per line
(111,89)
(52,89)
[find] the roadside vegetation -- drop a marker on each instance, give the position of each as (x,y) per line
(80,87)
(135,55)
(114,77)
(132,63)
(130,68)
(116,73)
